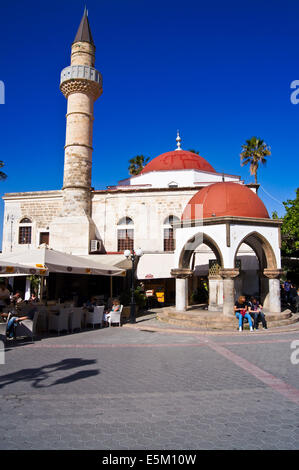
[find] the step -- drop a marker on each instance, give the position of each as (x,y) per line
(212,320)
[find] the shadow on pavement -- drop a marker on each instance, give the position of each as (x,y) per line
(40,374)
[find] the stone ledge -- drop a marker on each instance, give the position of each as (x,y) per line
(216,320)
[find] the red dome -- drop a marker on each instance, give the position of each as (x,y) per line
(226,199)
(178,160)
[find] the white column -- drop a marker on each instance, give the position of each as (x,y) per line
(181,294)
(274,296)
(238,287)
(214,294)
(229,290)
(228,296)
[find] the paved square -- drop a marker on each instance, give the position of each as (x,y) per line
(122,388)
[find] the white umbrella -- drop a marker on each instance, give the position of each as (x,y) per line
(57,262)
(10,268)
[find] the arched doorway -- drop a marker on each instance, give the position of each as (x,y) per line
(266,283)
(189,261)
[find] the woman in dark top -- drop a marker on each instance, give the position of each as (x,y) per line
(255,310)
(241,311)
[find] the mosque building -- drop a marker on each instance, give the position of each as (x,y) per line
(192,223)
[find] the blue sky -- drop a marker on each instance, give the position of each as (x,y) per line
(219,71)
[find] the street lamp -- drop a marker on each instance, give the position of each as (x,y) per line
(132,256)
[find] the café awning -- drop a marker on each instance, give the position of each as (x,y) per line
(11,268)
(114,260)
(44,258)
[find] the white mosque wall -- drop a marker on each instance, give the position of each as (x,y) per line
(39,207)
(183,178)
(148,211)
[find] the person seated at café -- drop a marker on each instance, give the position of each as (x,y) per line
(33,298)
(91,303)
(241,311)
(256,311)
(17,298)
(115,308)
(14,321)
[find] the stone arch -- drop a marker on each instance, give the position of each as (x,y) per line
(25,220)
(125,221)
(170,219)
(192,244)
(262,248)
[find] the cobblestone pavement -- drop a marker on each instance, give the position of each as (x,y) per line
(122,388)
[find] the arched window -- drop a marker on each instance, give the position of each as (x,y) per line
(125,234)
(25,231)
(125,221)
(169,241)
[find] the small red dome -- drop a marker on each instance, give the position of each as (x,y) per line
(178,160)
(225,199)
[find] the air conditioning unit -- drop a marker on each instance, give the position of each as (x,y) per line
(95,246)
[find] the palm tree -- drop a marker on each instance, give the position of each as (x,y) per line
(254,152)
(137,164)
(3,176)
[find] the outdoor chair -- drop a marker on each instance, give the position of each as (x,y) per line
(42,321)
(3,326)
(27,327)
(75,319)
(60,322)
(95,317)
(2,331)
(115,317)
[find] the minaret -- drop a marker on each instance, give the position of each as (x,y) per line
(81,84)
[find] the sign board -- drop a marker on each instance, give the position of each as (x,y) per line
(149,293)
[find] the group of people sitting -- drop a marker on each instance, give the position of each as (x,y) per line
(252,311)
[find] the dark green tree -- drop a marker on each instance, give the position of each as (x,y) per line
(3,176)
(290,227)
(137,164)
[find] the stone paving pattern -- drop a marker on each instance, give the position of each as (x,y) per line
(122,388)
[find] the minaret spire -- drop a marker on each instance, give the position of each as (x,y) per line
(84,32)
